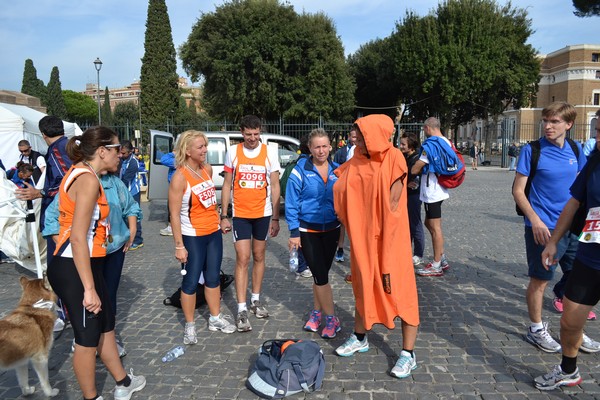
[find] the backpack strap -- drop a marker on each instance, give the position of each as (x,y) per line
(535,158)
(301,378)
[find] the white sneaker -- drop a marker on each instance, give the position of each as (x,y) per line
(542,339)
(589,345)
(125,392)
(222,323)
(417,260)
(405,365)
(189,335)
(352,345)
(166,231)
(305,274)
(59,325)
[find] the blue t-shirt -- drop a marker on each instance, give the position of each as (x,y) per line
(556,172)
(588,253)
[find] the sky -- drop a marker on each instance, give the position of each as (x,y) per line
(71,34)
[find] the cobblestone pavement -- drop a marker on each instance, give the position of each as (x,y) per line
(470,343)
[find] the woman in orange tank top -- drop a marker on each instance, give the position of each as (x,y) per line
(75,272)
(196,232)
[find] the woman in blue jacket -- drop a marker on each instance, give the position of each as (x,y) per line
(314,226)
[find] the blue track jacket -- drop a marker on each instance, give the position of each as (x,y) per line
(309,200)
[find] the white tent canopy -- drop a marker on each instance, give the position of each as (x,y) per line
(21,122)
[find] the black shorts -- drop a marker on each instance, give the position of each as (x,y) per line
(248,228)
(583,285)
(65,281)
(433,210)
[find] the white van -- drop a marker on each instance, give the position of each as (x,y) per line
(218,144)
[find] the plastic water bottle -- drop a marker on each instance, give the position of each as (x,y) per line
(294,260)
(173,354)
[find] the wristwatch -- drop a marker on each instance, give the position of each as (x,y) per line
(43,193)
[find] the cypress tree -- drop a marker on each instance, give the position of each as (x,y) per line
(31,84)
(107,119)
(55,101)
(158,80)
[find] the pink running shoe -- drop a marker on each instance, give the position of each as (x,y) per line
(332,327)
(314,321)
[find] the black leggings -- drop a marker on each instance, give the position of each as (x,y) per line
(65,281)
(319,249)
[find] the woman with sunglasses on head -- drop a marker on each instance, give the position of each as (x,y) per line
(76,271)
(197,232)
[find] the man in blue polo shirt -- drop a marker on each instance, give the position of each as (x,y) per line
(581,293)
(557,168)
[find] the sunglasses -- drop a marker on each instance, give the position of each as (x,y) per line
(25,151)
(116,146)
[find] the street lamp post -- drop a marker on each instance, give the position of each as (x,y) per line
(98,66)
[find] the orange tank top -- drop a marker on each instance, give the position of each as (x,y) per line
(199,215)
(99,226)
(250,183)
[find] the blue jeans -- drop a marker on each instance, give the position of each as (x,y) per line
(113,267)
(302,265)
(138,235)
(513,162)
(416,226)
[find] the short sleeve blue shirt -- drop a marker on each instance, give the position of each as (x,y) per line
(556,171)
(588,253)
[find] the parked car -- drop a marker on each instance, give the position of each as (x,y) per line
(218,144)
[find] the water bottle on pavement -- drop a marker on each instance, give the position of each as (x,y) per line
(294,260)
(173,354)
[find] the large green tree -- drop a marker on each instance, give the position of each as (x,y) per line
(31,84)
(54,98)
(158,80)
(125,117)
(586,8)
(261,57)
(466,59)
(80,108)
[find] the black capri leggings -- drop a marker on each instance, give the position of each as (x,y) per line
(319,249)
(65,281)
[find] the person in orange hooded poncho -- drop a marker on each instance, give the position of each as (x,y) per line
(370,200)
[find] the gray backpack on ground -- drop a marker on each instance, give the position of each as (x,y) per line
(286,367)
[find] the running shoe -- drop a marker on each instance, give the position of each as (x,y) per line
(556,378)
(125,392)
(314,321)
(221,323)
(332,327)
(542,339)
(305,274)
(430,270)
(405,365)
(189,334)
(242,322)
(339,255)
(353,345)
(558,306)
(259,309)
(166,231)
(417,260)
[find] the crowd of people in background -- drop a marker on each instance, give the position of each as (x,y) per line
(90,191)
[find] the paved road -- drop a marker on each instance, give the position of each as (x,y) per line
(470,344)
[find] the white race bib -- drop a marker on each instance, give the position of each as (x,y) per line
(253,176)
(206,193)
(591,229)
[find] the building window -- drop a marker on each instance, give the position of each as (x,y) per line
(597,74)
(595,57)
(596,101)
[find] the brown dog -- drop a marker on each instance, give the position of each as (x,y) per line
(27,334)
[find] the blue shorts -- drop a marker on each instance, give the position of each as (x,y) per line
(565,253)
(248,228)
(205,254)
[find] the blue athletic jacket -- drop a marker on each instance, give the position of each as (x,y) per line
(309,200)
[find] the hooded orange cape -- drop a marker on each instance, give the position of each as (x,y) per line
(383,278)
